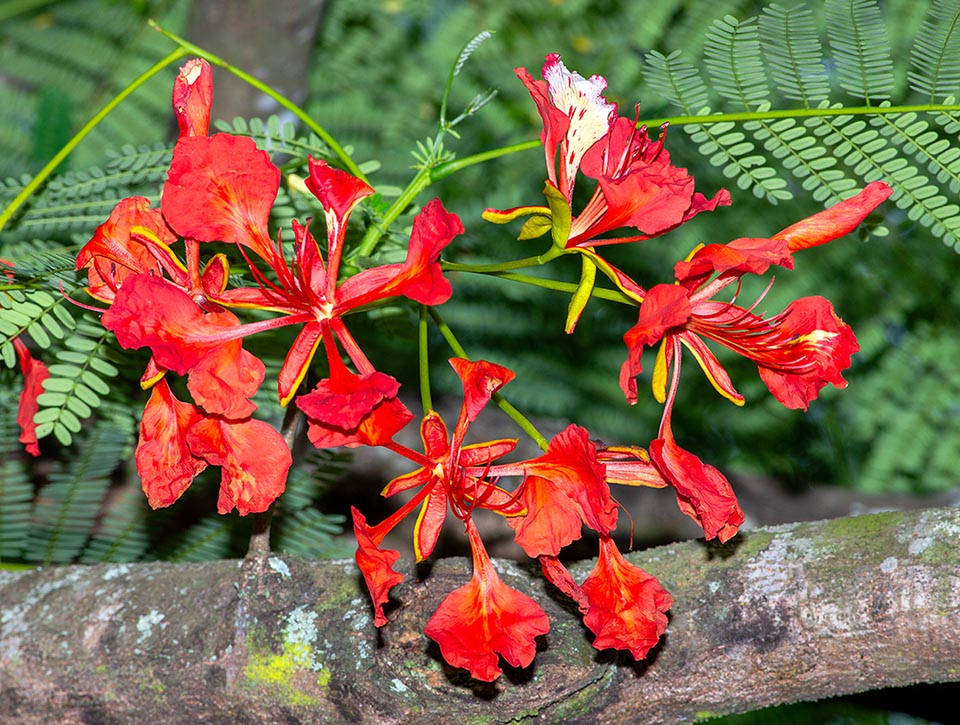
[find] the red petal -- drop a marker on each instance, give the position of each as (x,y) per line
(150,312)
(354,410)
(254,457)
(703,493)
(192,97)
(221,188)
(486,618)
(840,219)
(165,462)
(298,359)
(336,190)
(34,373)
(420,277)
(563,489)
(627,606)
(376,565)
(555,121)
(481,379)
(814,332)
(433,512)
(741,256)
(665,306)
(119,248)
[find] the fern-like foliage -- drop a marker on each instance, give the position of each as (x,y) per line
(82,360)
(68,506)
(903,422)
(65,59)
(829,155)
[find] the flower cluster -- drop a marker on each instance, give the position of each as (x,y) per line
(145,264)
(220,189)
(797,351)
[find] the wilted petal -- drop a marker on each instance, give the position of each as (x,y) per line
(254,457)
(165,462)
(842,218)
(558,575)
(34,373)
(486,618)
(627,606)
(192,97)
(376,565)
(703,493)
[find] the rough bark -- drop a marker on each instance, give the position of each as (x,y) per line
(786,613)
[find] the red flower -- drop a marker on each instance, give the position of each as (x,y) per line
(148,312)
(563,490)
(177,441)
(637,186)
(798,351)
(486,618)
(34,373)
(452,474)
(447,480)
(626,605)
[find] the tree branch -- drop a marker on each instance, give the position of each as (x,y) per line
(780,614)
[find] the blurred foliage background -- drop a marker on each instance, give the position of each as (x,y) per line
(372,73)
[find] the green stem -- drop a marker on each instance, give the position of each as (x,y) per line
(534,261)
(599,292)
(369,242)
(424,360)
(275,95)
(444,170)
(51,165)
(517,417)
(800,113)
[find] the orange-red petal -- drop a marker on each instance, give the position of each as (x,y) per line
(627,606)
(486,618)
(376,565)
(254,458)
(165,462)
(34,373)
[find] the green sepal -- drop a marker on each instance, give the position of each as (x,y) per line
(560,214)
(536,226)
(588,276)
